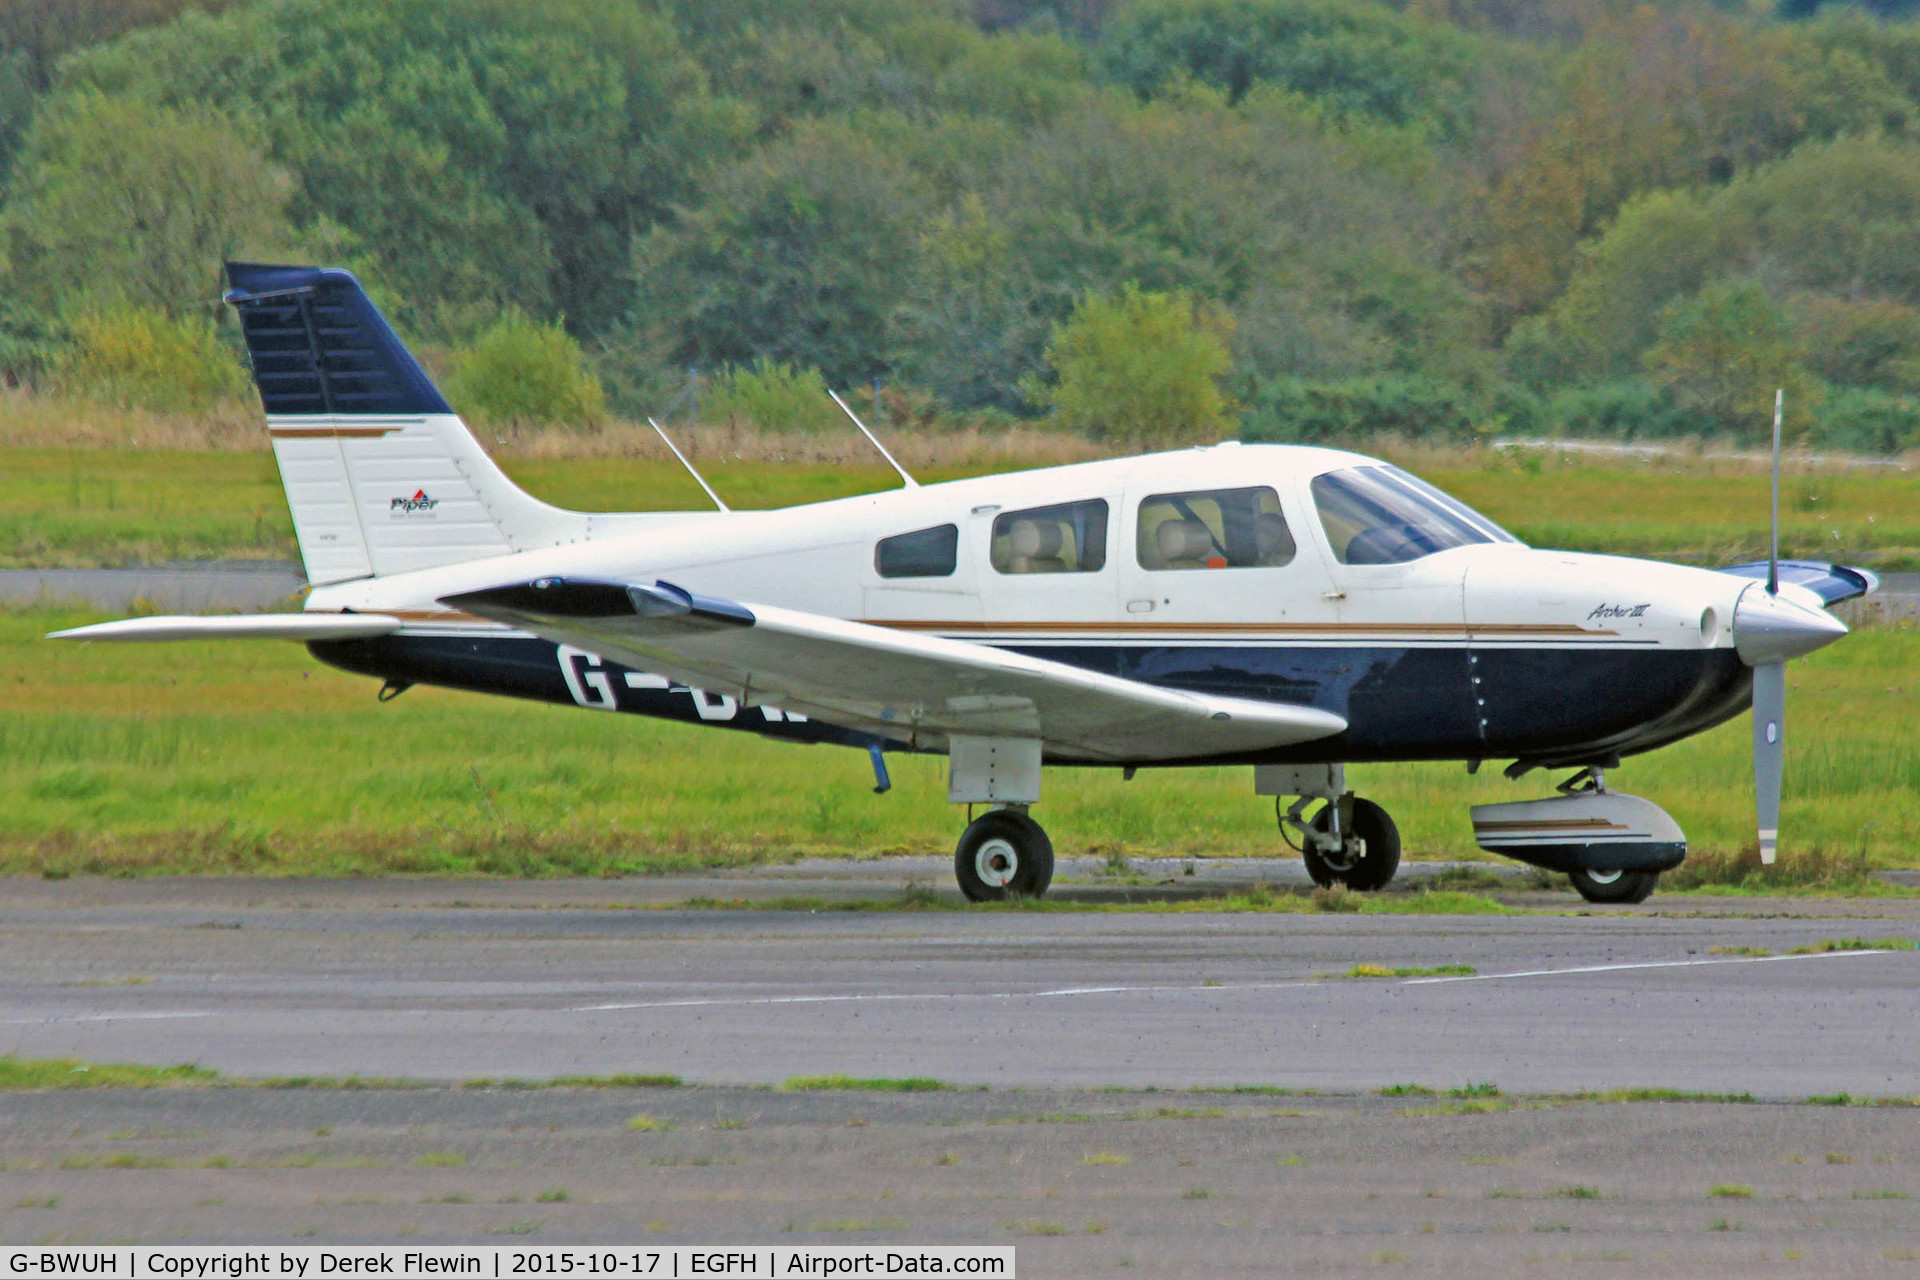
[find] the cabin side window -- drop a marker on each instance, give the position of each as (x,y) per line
(1068,538)
(1382,515)
(1214,529)
(924,553)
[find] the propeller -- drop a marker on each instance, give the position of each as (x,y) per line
(1769,743)
(1770,683)
(1768,630)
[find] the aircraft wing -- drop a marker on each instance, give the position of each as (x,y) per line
(248,626)
(911,687)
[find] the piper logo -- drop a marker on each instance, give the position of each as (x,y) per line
(418,502)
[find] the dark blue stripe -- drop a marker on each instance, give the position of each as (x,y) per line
(1550,706)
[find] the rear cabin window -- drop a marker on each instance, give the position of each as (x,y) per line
(1069,538)
(1214,529)
(924,553)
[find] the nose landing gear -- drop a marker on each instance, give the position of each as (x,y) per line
(1613,846)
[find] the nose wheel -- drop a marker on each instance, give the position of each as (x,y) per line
(1003,854)
(1614,886)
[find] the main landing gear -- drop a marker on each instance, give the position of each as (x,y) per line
(1360,850)
(1003,854)
(1349,841)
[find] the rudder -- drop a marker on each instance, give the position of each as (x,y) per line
(381,475)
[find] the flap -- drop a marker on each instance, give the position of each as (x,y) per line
(914,688)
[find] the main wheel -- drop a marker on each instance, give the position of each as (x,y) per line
(1614,886)
(1003,853)
(1367,868)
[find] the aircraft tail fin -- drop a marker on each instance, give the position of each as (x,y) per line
(381,475)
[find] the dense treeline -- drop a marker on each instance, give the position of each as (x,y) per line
(1306,218)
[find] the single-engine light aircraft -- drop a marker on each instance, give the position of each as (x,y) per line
(1290,608)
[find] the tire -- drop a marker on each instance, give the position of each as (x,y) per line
(1003,854)
(1374,868)
(1614,886)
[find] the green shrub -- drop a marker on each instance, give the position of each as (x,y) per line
(1141,366)
(1622,409)
(1290,410)
(140,359)
(773,397)
(522,372)
(1866,420)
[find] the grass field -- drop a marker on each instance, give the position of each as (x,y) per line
(253,758)
(117,507)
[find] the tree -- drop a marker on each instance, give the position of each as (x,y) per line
(1664,245)
(1835,219)
(1027,78)
(42,31)
(16,104)
(825,57)
(1662,99)
(1141,366)
(1870,342)
(1358,59)
(467,156)
(975,324)
(1724,351)
(799,254)
(115,201)
(1331,251)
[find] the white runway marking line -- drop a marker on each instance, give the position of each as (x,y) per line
(1641,964)
(1218,989)
(879,996)
(99,1017)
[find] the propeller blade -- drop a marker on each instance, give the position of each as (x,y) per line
(1769,744)
(1773,545)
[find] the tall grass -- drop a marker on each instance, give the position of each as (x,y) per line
(253,758)
(66,501)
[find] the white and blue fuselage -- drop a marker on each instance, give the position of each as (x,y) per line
(1454,641)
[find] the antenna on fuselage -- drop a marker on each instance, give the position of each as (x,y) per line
(700,479)
(873,439)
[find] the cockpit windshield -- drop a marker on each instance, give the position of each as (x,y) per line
(1382,515)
